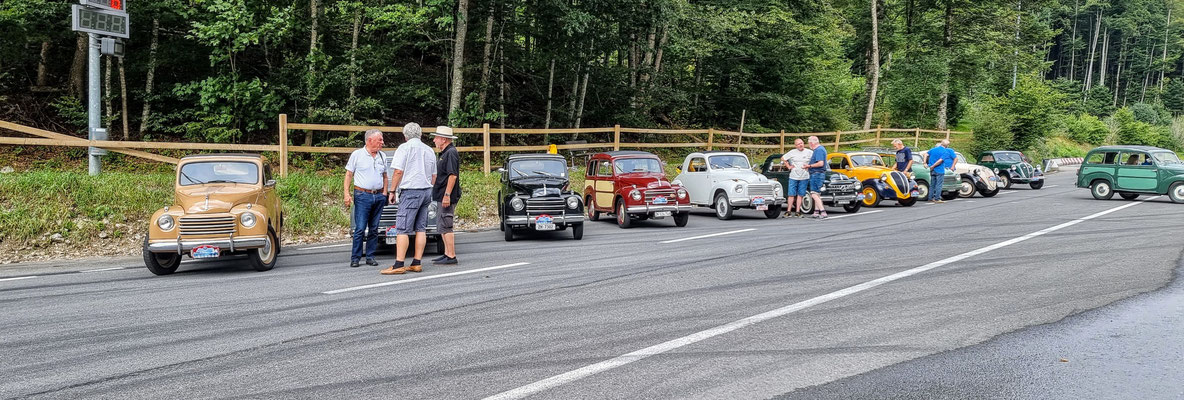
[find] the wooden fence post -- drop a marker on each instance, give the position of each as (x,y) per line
(782,148)
(616,137)
(710,138)
(877,136)
(283,156)
(485,143)
(916,137)
(947,134)
(838,135)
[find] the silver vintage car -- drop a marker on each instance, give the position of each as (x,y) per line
(725,181)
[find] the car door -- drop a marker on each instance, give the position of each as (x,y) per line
(1136,172)
(773,169)
(697,180)
(604,184)
(1098,165)
(839,163)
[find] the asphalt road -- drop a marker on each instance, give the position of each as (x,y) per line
(973,294)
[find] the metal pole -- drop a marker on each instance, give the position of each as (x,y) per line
(92,108)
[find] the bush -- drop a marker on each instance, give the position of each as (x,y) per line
(1153,114)
(1131,131)
(1087,128)
(1035,106)
(992,127)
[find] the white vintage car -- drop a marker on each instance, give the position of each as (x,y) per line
(975,178)
(725,180)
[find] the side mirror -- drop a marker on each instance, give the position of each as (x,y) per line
(269,183)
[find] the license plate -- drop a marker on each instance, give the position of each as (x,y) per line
(1036,178)
(544,227)
(758,201)
(205,252)
(392,240)
(662,214)
(660,200)
(762,207)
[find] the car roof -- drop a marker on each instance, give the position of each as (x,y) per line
(624,153)
(534,155)
(860,153)
(1130,147)
(224,155)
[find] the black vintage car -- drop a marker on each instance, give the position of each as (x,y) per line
(536,195)
(838,189)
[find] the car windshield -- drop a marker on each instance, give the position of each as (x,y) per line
(866,160)
(1009,157)
(729,161)
(198,173)
(1166,157)
(538,168)
(637,165)
(961,158)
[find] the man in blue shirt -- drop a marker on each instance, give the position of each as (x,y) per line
(817,168)
(940,158)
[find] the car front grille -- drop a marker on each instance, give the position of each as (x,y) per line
(1024,170)
(761,189)
(387,218)
(549,205)
(951,179)
(843,187)
(207,225)
(651,194)
(901,181)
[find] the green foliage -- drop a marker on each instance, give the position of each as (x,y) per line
(1131,131)
(1087,128)
(1173,96)
(1035,108)
(1153,114)
(993,126)
(1099,101)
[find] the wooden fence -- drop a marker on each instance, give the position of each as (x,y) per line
(709,139)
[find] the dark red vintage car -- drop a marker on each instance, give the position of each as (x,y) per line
(632,185)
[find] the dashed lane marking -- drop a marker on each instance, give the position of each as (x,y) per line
(707,236)
(424,278)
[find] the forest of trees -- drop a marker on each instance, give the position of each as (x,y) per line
(1017,72)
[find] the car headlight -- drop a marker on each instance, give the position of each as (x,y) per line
(884,178)
(739,188)
(1012,168)
(165,222)
(635,195)
(517,204)
(682,193)
(996,170)
(573,202)
(432,210)
(247,219)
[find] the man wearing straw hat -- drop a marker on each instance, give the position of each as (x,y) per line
(446,191)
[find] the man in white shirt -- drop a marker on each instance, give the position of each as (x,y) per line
(365,188)
(415,170)
(795,161)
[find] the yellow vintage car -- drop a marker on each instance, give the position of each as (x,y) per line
(223,204)
(879,181)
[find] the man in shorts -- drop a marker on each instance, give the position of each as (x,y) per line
(817,168)
(446,191)
(415,170)
(799,179)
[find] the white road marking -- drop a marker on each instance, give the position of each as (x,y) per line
(969,201)
(1008,192)
(17,278)
(571,376)
(101,269)
(707,236)
(325,247)
(1052,186)
(856,214)
(424,278)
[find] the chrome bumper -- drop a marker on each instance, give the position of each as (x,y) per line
(431,229)
(674,208)
(559,220)
(748,202)
(846,198)
(180,246)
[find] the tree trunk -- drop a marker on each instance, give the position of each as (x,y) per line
(947,43)
(873,68)
(42,65)
(501,66)
(1164,58)
(1073,44)
(1147,72)
(550,92)
(78,68)
(485,61)
(698,82)
(580,107)
(123,97)
(575,92)
(1093,47)
(1118,75)
(633,61)
(1105,56)
(107,97)
(353,56)
(312,48)
(458,58)
(1015,63)
(661,47)
(150,77)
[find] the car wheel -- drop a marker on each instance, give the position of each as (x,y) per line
(1004,181)
(907,202)
(1037,185)
(593,215)
(853,207)
(577,231)
(871,198)
(923,189)
(508,230)
(680,219)
(1128,196)
(948,195)
(623,219)
(723,209)
(263,259)
(1176,192)
(1101,190)
(967,188)
(989,193)
(160,263)
(773,212)
(807,204)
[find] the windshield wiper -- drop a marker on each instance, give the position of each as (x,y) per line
(190,178)
(544,173)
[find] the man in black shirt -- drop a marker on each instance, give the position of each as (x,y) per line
(446,191)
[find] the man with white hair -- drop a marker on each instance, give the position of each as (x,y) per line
(941,158)
(365,185)
(415,170)
(817,168)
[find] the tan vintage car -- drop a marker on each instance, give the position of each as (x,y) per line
(224,204)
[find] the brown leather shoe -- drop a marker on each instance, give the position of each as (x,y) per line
(414,268)
(393,271)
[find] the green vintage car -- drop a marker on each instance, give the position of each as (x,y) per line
(950,183)
(1012,167)
(1131,171)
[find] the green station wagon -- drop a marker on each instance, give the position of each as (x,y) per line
(1131,171)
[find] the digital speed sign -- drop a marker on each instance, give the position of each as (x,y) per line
(103,22)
